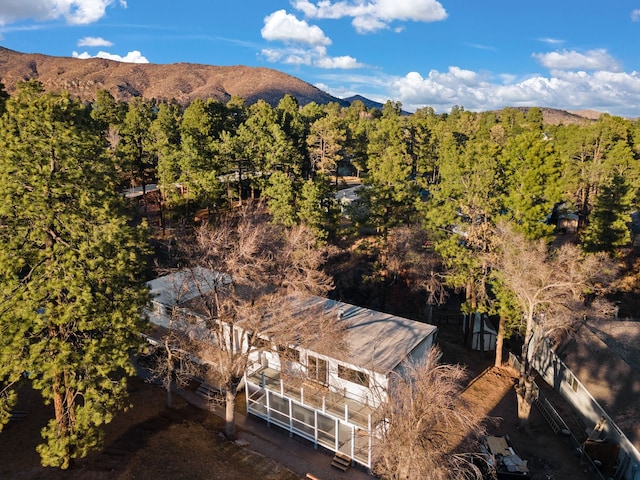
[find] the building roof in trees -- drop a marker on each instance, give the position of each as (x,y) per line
(605,357)
(376,341)
(179,288)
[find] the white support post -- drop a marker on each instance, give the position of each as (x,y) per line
(337,443)
(268,408)
(353,442)
(246,392)
(370,441)
(315,429)
(324,404)
(290,417)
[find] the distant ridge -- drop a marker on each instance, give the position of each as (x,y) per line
(555,116)
(182,82)
(367,103)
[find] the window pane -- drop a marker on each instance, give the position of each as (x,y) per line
(353,376)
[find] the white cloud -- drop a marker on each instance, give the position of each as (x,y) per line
(343,62)
(635,15)
(551,41)
(132,57)
(614,92)
(94,42)
(285,27)
(74,11)
(571,60)
(373,15)
(305,44)
(316,57)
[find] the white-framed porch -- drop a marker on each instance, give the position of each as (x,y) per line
(324,417)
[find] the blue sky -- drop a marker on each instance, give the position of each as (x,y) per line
(481,55)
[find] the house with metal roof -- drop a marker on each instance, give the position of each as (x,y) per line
(329,397)
(336,404)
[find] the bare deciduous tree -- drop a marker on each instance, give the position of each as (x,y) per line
(259,274)
(427,425)
(554,288)
(168,360)
(407,255)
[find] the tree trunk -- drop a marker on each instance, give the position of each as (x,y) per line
(230,412)
(526,395)
(58,402)
(169,398)
(64,413)
(500,341)
(525,389)
(168,380)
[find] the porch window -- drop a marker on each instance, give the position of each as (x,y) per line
(353,376)
(317,369)
(288,353)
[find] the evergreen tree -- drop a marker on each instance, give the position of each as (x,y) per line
(318,207)
(461,212)
(392,192)
(109,116)
(280,199)
(608,228)
(201,126)
(531,174)
(70,288)
(326,145)
(4,96)
(135,149)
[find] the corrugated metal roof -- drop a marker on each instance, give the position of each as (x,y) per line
(182,286)
(377,341)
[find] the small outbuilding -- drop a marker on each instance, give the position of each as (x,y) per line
(478,332)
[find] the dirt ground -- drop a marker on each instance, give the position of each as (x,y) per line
(150,442)
(491,393)
(146,442)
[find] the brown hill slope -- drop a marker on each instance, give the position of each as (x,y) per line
(554,116)
(180,81)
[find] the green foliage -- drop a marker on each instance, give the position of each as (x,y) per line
(392,191)
(106,111)
(531,182)
(136,147)
(317,206)
(279,193)
(326,144)
(70,269)
(166,149)
(3,98)
(608,228)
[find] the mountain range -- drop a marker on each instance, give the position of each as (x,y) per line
(182,82)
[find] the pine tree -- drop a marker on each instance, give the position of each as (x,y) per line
(280,199)
(608,229)
(317,206)
(70,270)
